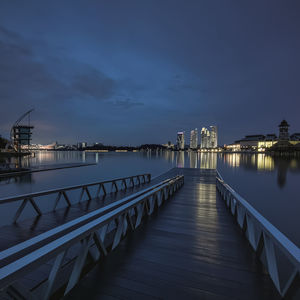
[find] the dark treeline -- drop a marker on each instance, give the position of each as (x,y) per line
(3,142)
(129,148)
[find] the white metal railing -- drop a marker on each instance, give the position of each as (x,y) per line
(282,257)
(98,235)
(116,185)
(36,241)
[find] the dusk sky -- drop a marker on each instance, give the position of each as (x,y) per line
(133,72)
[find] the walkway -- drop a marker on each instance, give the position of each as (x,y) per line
(190,249)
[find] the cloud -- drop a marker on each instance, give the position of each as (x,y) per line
(94,84)
(26,78)
(51,85)
(127,103)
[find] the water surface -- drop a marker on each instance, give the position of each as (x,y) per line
(270,184)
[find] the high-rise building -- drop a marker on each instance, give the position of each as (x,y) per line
(205,138)
(213,137)
(194,139)
(180,140)
(81,145)
(209,138)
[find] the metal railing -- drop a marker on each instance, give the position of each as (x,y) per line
(23,248)
(116,185)
(100,234)
(282,257)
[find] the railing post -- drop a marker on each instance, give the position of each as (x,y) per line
(66,198)
(88,193)
(34,205)
(54,271)
(124,183)
(113,184)
(79,263)
(103,188)
(119,231)
(271,260)
(20,209)
(99,243)
(56,201)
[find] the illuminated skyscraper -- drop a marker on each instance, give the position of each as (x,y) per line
(205,138)
(180,140)
(194,139)
(209,138)
(213,137)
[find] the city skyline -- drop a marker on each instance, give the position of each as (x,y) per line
(134,73)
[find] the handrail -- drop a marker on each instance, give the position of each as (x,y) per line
(36,241)
(30,198)
(125,217)
(68,188)
(261,234)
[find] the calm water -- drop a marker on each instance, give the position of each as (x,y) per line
(270,185)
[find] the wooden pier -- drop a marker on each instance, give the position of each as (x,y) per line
(191,247)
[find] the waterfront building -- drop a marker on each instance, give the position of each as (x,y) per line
(260,142)
(236,146)
(251,141)
(205,138)
(284,131)
(81,145)
(213,137)
(269,141)
(169,145)
(20,134)
(209,138)
(295,137)
(180,140)
(194,139)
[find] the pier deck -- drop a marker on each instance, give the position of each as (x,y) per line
(190,249)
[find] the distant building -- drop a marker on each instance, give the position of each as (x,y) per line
(213,137)
(251,141)
(194,139)
(169,145)
(284,131)
(295,137)
(205,138)
(21,136)
(260,142)
(180,140)
(269,141)
(209,138)
(81,145)
(236,146)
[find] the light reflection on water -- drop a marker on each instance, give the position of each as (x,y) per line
(269,183)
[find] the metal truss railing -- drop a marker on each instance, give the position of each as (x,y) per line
(24,247)
(62,193)
(98,235)
(280,256)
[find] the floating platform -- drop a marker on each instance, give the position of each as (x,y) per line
(42,168)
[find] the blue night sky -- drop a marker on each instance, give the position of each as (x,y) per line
(133,72)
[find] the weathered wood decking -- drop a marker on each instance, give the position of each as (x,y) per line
(190,249)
